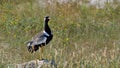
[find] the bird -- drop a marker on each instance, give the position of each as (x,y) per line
(41,39)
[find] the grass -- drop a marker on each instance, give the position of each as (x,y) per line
(84,37)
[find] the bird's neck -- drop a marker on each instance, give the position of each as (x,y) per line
(47,28)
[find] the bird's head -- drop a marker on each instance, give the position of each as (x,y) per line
(46,18)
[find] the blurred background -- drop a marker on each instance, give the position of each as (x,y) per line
(86,32)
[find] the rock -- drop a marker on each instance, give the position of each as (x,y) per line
(38,64)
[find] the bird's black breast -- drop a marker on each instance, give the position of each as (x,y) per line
(49,38)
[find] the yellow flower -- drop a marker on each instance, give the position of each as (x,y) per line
(67,39)
(14,36)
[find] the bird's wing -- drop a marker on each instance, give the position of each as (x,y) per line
(40,39)
(37,35)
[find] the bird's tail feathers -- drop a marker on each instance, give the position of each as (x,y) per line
(32,48)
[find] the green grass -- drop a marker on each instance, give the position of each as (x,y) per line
(84,37)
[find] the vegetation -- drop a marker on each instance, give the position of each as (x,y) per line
(84,37)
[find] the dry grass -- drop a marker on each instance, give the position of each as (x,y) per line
(83,37)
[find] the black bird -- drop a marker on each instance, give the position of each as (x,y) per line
(41,39)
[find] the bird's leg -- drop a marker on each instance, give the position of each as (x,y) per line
(34,55)
(41,51)
(36,63)
(32,47)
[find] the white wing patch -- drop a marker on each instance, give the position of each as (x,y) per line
(46,33)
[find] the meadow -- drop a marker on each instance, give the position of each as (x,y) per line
(84,37)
